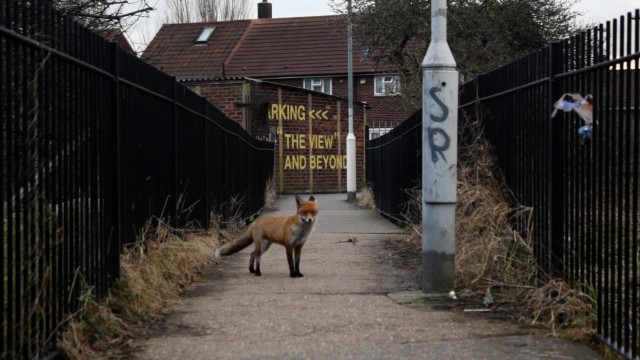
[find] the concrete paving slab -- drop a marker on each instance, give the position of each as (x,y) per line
(338,215)
(339,310)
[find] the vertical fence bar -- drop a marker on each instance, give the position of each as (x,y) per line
(45,204)
(597,141)
(56,93)
(44,276)
(635,333)
(556,167)
(591,167)
(20,211)
(618,235)
(615,190)
(174,163)
(5,213)
(608,301)
(6,337)
(625,173)
(205,124)
(4,333)
(116,234)
(635,132)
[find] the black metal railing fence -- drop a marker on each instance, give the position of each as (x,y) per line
(584,192)
(394,165)
(94,143)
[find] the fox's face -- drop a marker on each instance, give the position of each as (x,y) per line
(307,210)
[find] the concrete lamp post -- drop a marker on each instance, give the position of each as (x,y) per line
(351,138)
(439,157)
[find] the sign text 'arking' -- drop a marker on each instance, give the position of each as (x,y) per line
(296,112)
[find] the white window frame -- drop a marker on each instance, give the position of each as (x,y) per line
(375,133)
(323,85)
(386,85)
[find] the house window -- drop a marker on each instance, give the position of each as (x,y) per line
(322,85)
(205,34)
(375,133)
(386,85)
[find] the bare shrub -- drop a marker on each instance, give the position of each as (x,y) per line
(270,193)
(366,199)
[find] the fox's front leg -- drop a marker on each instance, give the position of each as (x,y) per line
(298,253)
(292,272)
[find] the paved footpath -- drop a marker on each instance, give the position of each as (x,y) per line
(341,309)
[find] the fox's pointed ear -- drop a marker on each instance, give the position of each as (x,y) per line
(299,201)
(311,198)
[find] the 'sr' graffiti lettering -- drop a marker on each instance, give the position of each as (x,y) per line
(438,148)
(445,109)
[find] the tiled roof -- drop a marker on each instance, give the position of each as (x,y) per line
(296,46)
(174,49)
(261,48)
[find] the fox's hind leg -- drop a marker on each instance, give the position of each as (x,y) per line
(263,249)
(253,258)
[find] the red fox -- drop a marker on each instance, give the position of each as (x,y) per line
(291,232)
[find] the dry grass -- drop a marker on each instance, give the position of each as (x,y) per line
(270,193)
(154,272)
(565,310)
(158,267)
(95,332)
(490,253)
(488,250)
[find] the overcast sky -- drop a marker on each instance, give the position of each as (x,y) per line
(600,11)
(595,11)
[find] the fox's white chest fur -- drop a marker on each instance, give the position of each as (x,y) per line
(301,232)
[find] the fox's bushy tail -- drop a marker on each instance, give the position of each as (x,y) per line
(236,244)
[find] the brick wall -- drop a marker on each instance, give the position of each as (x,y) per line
(226,97)
(310,130)
(383,109)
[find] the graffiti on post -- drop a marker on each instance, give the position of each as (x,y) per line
(439,140)
(445,109)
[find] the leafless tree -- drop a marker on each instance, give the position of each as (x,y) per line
(105,14)
(482,34)
(186,11)
(180,11)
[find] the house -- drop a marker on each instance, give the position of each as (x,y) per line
(285,80)
(305,52)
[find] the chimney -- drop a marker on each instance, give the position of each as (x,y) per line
(264,10)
